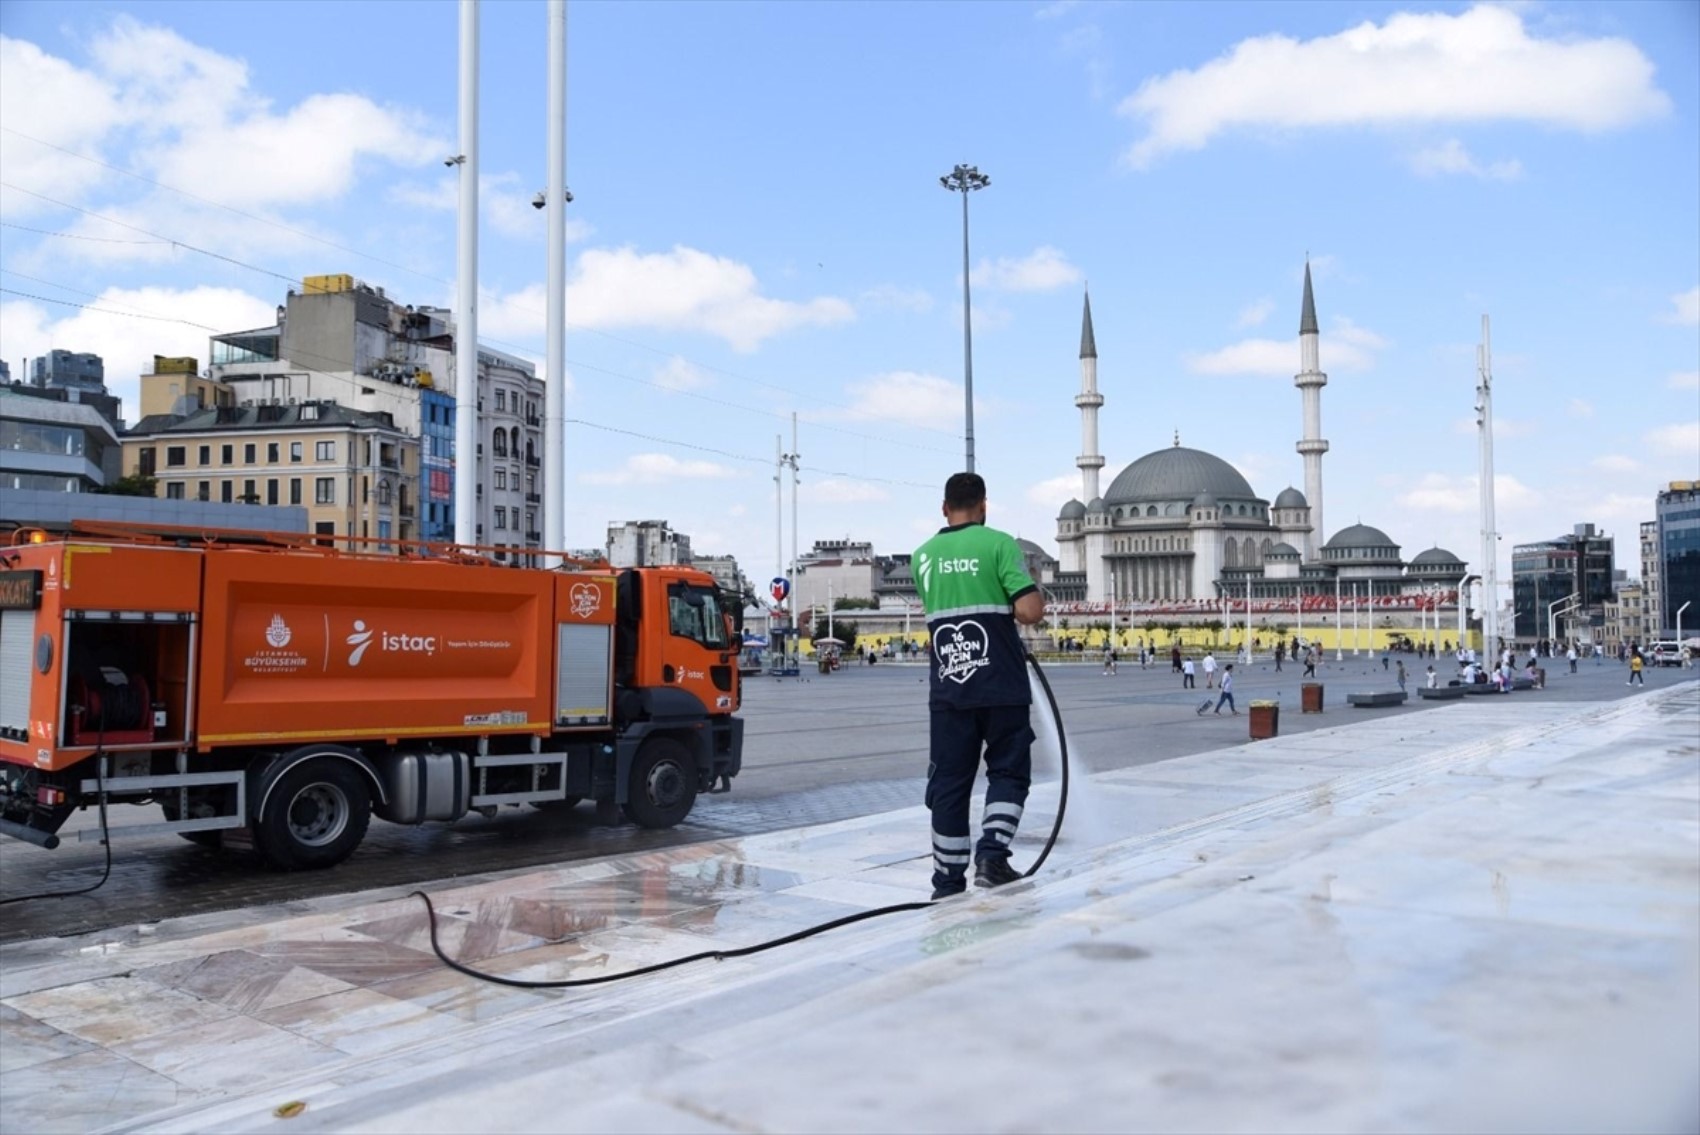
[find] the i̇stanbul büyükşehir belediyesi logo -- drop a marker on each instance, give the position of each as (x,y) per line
(277,634)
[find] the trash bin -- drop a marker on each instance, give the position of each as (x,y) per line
(1310,697)
(1265,719)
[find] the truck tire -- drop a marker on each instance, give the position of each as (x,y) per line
(663,786)
(316,815)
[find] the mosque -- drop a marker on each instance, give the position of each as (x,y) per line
(1182,526)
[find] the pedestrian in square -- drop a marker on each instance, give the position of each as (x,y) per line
(1209,671)
(1227,697)
(1186,675)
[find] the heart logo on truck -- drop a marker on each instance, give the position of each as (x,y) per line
(962,649)
(586,599)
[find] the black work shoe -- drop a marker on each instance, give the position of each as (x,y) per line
(946,892)
(995,872)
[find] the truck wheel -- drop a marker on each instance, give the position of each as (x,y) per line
(316,815)
(663,786)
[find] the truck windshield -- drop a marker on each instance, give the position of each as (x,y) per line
(694,613)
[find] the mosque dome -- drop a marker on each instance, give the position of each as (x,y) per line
(1436,558)
(1280,550)
(1362,544)
(1178,474)
(1029,548)
(1073,510)
(1097,507)
(1291,498)
(1205,499)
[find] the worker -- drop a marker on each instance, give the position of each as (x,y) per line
(975,590)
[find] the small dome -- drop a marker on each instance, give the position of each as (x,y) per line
(1205,499)
(1029,548)
(1436,557)
(1097,507)
(1291,498)
(1281,551)
(1360,536)
(1073,510)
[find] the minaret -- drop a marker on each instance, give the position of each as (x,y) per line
(1310,380)
(1090,461)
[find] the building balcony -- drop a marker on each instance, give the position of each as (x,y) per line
(534,537)
(534,498)
(407,510)
(534,462)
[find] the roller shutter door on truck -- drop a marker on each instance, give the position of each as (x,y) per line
(17,635)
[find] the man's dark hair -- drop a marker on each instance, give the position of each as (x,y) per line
(964,491)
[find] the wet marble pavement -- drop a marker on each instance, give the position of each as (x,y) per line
(1476,918)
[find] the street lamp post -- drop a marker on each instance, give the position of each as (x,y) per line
(964,180)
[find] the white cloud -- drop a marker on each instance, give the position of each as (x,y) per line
(834,490)
(1478,66)
(128,342)
(1580,408)
(907,397)
(49,98)
(1616,463)
(1255,313)
(1055,8)
(1680,440)
(683,290)
(1684,380)
(1451,157)
(1042,270)
(1054,492)
(890,297)
(679,373)
(1345,346)
(1685,308)
(687,290)
(1436,492)
(658,469)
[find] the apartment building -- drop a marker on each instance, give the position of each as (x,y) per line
(52,445)
(340,340)
(355,472)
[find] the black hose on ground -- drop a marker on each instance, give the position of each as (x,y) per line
(105,839)
(772,943)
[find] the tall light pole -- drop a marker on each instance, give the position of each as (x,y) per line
(556,198)
(1490,535)
(964,180)
(466,287)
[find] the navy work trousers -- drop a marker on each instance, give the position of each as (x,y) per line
(959,736)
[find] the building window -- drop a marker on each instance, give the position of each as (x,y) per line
(325,451)
(501,517)
(227,455)
(249,494)
(248,453)
(383,493)
(324,490)
(295,490)
(500,443)
(206,455)
(271,491)
(295,451)
(501,401)
(501,478)
(227,491)
(146,461)
(204,491)
(271,453)
(174,491)
(176,456)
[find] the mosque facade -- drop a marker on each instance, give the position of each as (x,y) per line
(1182,526)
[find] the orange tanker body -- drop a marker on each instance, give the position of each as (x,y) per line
(269,692)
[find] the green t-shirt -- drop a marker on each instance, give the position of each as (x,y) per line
(969,577)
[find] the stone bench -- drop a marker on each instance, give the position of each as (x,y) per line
(1442,693)
(1377,698)
(1481,688)
(1524,684)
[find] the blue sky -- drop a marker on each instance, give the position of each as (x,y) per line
(759,229)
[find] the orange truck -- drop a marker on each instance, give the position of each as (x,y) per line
(273,693)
